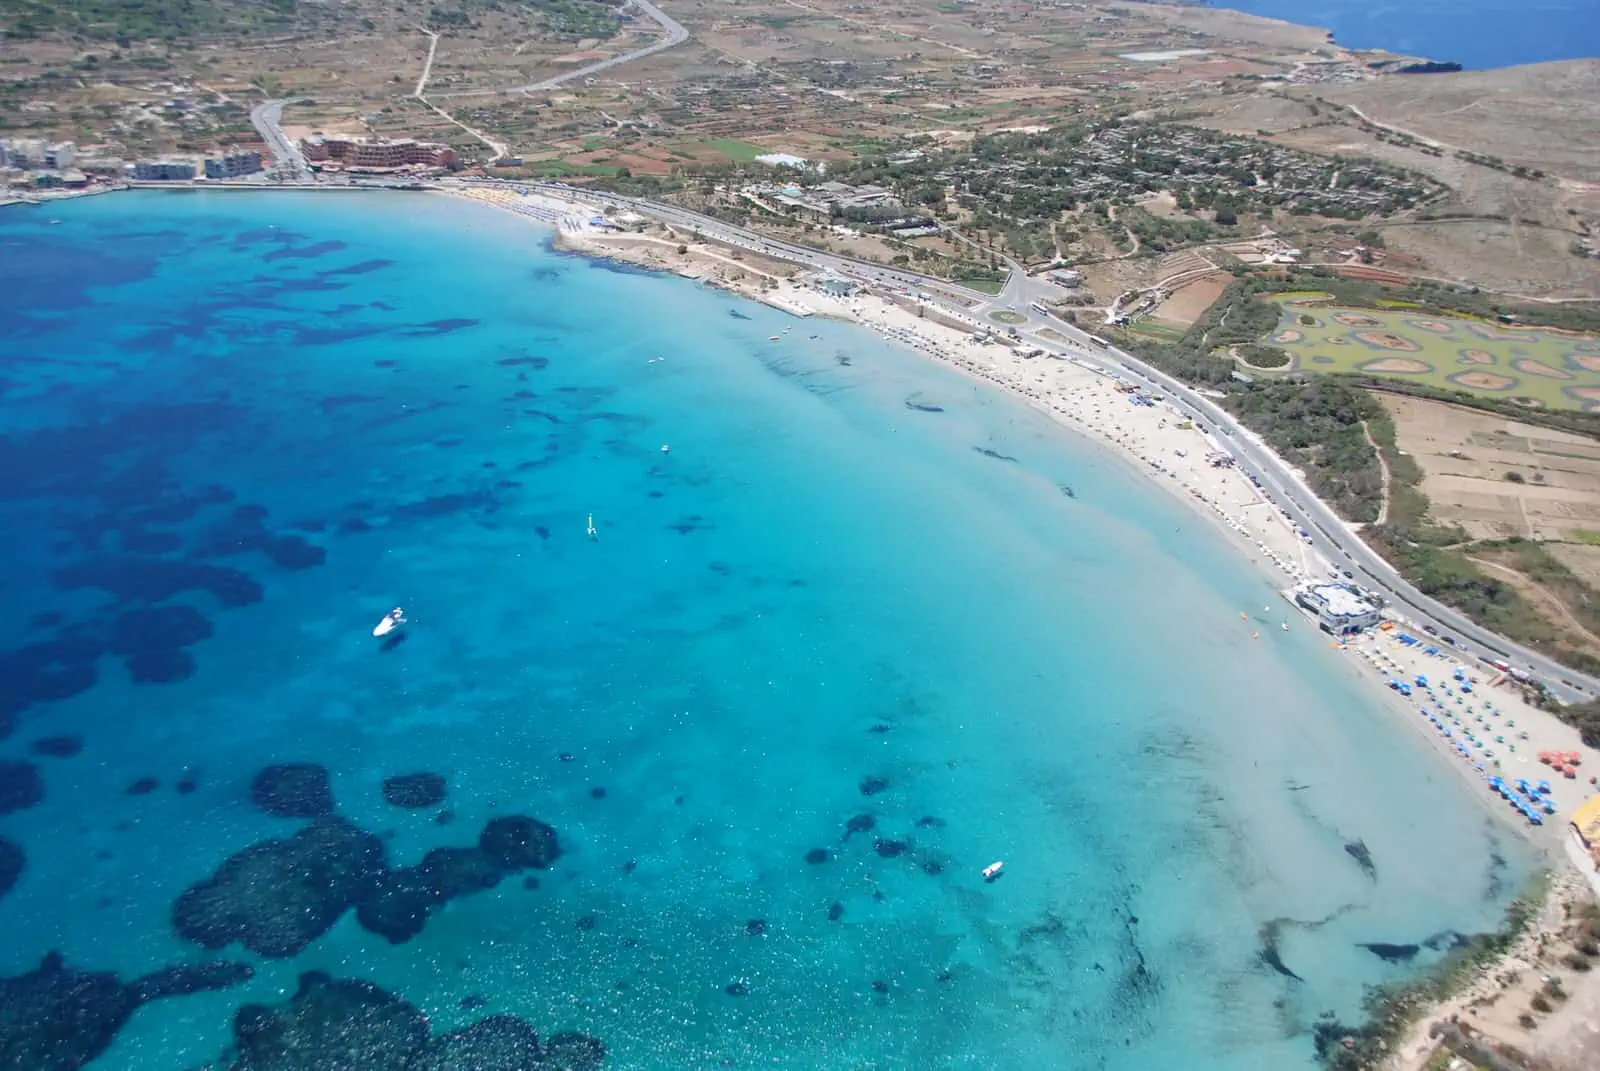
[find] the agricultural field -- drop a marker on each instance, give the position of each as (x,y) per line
(1540,368)
(1496,478)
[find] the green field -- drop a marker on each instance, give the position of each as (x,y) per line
(1536,367)
(740,152)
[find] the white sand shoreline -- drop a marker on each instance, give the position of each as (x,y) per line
(1155,442)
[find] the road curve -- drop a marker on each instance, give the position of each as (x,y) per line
(675,35)
(1327,532)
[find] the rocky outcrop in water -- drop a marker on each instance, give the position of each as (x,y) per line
(414,790)
(55,1018)
(1358,850)
(293,790)
(278,896)
(520,843)
(502,1042)
(328,1020)
(56,747)
(12,863)
(21,786)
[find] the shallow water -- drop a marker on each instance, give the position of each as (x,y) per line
(290,413)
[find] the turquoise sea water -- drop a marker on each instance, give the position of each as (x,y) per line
(1478,34)
(821,610)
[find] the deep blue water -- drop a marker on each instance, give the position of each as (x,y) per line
(829,657)
(1478,34)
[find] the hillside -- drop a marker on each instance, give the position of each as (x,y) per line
(1544,116)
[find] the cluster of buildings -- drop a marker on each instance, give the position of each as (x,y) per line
(828,200)
(36,154)
(49,165)
(228,165)
(381,155)
(40,163)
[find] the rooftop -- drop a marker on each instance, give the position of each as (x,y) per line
(1341,601)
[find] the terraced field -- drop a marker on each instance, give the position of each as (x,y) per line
(1537,367)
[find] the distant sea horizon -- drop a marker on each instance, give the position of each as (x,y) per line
(1478,34)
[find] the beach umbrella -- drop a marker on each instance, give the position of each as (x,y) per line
(1544,786)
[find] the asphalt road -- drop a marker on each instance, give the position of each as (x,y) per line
(676,35)
(265,117)
(1327,533)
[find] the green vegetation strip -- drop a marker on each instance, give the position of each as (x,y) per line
(1315,422)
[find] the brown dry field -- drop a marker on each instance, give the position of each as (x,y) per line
(1560,499)
(1544,115)
(1190,301)
(1582,558)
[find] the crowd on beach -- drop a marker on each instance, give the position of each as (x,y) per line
(1162,439)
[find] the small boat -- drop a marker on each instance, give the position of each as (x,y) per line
(993,870)
(773,338)
(391,621)
(665,449)
(594,533)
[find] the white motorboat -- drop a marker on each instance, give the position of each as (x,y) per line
(391,621)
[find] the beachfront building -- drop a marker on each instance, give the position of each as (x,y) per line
(26,154)
(375,154)
(836,286)
(233,165)
(1338,609)
(164,170)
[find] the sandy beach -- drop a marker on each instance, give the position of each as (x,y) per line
(1492,725)
(1168,449)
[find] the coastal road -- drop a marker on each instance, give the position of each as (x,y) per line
(265,117)
(1328,533)
(1325,530)
(675,35)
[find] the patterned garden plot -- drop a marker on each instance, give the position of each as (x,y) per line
(1537,367)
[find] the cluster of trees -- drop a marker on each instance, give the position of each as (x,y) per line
(569,18)
(1159,235)
(127,21)
(1585,717)
(1316,425)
